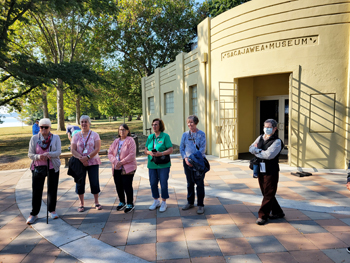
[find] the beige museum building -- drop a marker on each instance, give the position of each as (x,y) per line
(281,59)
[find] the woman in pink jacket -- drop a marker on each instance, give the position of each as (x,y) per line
(122,154)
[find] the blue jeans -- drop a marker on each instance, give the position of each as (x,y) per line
(156,175)
(93,178)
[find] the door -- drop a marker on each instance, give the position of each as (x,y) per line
(277,108)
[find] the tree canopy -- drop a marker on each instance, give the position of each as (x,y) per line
(217,7)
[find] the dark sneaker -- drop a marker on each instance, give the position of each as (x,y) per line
(255,176)
(121,206)
(200,210)
(129,208)
(187,206)
(277,216)
(260,221)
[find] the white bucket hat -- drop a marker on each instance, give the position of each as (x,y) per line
(45,122)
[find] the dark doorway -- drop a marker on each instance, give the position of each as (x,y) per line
(268,110)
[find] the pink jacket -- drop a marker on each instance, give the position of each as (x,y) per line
(127,154)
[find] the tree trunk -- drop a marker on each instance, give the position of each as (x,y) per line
(138,117)
(60,109)
(130,118)
(77,104)
(44,98)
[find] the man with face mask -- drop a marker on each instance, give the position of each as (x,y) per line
(267,148)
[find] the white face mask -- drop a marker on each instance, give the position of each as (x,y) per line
(268,131)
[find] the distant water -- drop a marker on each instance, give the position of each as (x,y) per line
(11,122)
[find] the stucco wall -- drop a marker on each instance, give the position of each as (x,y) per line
(305,41)
(309,39)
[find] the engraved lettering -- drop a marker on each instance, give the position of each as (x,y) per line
(309,40)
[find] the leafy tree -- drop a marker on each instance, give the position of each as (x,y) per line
(216,7)
(21,73)
(146,34)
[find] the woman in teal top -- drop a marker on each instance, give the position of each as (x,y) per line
(161,142)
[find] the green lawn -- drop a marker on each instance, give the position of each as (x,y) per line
(14,141)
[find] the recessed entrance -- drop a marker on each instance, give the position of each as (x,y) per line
(261,98)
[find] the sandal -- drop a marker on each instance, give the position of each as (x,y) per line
(81,209)
(98,207)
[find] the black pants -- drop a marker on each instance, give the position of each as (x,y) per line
(38,181)
(190,186)
(123,183)
(268,187)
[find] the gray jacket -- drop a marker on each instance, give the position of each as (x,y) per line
(55,150)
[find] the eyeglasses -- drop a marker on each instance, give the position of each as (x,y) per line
(123,130)
(44,127)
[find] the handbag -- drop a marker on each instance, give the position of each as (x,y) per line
(40,170)
(254,161)
(124,172)
(160,159)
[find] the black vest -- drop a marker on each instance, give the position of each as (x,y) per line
(272,166)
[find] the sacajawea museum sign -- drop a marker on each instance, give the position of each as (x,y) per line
(285,60)
(300,41)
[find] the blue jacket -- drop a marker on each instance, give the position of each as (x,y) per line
(197,160)
(35,129)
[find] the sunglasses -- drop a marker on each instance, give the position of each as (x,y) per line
(44,127)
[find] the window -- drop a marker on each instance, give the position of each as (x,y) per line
(150,105)
(193,100)
(169,102)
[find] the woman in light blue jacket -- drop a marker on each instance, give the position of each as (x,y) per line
(192,141)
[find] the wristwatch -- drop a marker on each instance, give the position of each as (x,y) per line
(88,156)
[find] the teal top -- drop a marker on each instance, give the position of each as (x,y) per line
(162,143)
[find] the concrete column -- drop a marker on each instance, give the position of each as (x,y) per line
(157,90)
(144,104)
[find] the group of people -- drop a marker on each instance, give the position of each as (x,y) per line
(45,149)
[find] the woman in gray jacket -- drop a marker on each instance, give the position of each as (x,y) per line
(44,150)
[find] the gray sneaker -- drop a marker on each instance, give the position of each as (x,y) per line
(200,210)
(31,219)
(187,206)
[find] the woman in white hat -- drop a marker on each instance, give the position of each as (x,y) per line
(44,150)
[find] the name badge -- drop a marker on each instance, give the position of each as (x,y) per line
(85,151)
(262,167)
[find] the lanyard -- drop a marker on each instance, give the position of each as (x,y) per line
(192,138)
(154,141)
(87,138)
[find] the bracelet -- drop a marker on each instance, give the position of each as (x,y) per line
(162,153)
(88,156)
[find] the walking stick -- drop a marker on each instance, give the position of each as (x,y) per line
(47,191)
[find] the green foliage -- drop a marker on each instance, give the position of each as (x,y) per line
(216,7)
(146,34)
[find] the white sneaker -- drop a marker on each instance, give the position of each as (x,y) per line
(31,219)
(54,215)
(155,205)
(163,207)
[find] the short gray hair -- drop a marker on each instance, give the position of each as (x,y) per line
(272,121)
(193,118)
(85,117)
